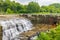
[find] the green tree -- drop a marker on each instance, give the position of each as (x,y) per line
(33,7)
(56,5)
(9,11)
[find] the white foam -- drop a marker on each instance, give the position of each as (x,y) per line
(12,28)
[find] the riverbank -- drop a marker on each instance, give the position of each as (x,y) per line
(36,29)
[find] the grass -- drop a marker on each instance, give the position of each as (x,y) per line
(41,13)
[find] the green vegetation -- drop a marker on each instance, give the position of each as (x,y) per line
(9,7)
(53,34)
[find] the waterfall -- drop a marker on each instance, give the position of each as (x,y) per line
(13,27)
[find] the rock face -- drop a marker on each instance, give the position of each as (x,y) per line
(42,19)
(35,19)
(1,32)
(36,31)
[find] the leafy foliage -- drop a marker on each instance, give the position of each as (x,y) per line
(32,7)
(53,34)
(43,36)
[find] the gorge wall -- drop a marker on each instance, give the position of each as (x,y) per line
(42,19)
(35,19)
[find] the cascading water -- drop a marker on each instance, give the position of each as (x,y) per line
(13,27)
